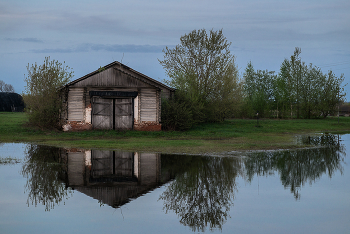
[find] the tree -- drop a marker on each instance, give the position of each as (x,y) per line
(306,90)
(6,87)
(42,92)
(203,68)
(258,87)
(290,80)
(331,94)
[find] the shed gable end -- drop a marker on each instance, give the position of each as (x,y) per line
(112,78)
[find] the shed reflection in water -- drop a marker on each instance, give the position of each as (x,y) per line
(202,188)
(112,177)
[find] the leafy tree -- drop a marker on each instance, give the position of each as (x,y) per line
(306,90)
(296,74)
(331,94)
(281,97)
(289,83)
(312,92)
(42,92)
(6,87)
(203,68)
(258,87)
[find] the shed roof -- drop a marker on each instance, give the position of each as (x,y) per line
(128,71)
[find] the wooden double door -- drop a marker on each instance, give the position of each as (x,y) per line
(112,113)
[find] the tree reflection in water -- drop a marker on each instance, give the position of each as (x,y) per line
(203,191)
(42,169)
(297,167)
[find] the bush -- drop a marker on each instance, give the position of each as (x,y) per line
(179,113)
(42,92)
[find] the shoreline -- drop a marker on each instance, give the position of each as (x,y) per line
(228,136)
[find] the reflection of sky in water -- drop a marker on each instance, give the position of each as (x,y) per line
(14,150)
(264,207)
(261,206)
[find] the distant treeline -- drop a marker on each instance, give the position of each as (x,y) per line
(298,91)
(11,102)
(209,89)
(206,92)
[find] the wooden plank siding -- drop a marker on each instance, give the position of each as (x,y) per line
(149,105)
(76,104)
(159,106)
(111,78)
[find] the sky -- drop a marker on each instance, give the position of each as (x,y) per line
(87,34)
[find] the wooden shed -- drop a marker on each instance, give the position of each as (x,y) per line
(113,97)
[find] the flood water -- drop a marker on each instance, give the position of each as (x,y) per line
(54,190)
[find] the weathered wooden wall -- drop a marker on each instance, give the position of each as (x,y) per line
(76,104)
(148,98)
(112,78)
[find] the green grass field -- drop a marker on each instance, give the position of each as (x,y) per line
(230,135)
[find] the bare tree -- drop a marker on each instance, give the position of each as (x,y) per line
(6,87)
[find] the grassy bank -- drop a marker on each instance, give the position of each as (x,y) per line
(230,135)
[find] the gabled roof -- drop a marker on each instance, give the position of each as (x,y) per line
(130,73)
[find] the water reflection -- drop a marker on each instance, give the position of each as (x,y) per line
(43,168)
(200,190)
(112,177)
(203,191)
(298,167)
(320,140)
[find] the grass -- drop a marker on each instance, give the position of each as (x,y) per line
(230,135)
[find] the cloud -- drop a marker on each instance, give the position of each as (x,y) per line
(26,39)
(44,51)
(130,48)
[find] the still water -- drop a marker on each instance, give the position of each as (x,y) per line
(53,190)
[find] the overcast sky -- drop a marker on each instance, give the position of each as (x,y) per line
(88,34)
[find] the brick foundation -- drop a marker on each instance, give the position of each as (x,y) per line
(76,126)
(147,126)
(82,126)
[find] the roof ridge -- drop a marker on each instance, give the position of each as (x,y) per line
(148,80)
